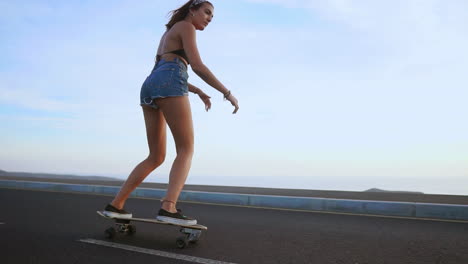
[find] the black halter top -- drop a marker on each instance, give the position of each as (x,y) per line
(180,52)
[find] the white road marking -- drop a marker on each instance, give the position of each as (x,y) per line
(153,252)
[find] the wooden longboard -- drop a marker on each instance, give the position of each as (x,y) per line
(190,233)
(153,221)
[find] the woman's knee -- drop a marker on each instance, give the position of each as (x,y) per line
(156,160)
(187,148)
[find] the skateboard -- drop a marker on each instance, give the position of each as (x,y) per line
(191,233)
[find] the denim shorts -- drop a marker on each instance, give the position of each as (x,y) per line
(167,79)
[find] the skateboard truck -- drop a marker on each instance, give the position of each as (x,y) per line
(190,236)
(121,226)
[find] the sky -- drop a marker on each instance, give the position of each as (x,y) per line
(333,94)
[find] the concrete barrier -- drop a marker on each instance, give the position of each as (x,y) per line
(384,208)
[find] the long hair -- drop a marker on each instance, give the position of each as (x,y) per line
(182,12)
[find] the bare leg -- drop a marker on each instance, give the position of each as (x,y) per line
(178,116)
(156,135)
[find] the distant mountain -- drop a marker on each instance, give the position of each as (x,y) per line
(54,176)
(386,191)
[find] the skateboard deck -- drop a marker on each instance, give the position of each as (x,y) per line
(191,233)
(154,221)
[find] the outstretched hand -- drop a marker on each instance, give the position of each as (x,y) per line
(231,98)
(206,99)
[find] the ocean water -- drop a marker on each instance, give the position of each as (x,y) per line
(447,185)
(427,185)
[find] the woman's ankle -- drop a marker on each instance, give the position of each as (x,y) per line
(169,206)
(117,205)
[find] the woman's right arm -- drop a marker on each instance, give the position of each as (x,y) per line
(189,43)
(190,46)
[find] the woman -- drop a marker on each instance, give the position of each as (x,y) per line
(164,99)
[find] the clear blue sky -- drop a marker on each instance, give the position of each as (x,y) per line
(333,94)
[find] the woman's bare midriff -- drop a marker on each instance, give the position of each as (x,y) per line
(170,57)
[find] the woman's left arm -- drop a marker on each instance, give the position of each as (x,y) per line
(203,96)
(192,88)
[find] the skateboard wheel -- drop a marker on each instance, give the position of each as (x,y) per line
(193,238)
(181,242)
(110,232)
(131,230)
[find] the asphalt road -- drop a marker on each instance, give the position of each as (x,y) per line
(46,227)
